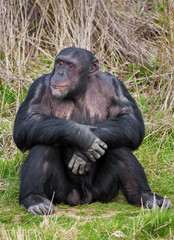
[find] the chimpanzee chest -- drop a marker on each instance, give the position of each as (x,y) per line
(88,111)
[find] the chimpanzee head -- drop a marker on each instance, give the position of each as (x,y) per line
(72,69)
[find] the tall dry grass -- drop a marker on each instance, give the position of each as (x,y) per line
(120,33)
(116,31)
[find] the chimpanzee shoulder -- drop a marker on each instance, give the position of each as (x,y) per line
(119,87)
(38,86)
(112,83)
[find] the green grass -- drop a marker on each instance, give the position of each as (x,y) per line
(115,220)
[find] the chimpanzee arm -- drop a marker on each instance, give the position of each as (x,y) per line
(125,126)
(34,123)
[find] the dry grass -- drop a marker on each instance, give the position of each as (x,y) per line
(118,32)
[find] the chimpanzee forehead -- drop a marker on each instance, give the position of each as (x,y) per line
(75,54)
(67,58)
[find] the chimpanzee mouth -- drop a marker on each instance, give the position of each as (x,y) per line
(59,87)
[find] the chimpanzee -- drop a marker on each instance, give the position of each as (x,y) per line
(80,125)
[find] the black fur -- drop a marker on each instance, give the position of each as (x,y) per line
(52,140)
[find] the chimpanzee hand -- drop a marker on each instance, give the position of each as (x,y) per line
(79,164)
(91,148)
(88,142)
(97,150)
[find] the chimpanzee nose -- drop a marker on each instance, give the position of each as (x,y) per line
(60,73)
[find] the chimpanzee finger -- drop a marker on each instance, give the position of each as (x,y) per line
(71,163)
(103,145)
(98,144)
(88,167)
(82,170)
(90,156)
(96,149)
(95,154)
(100,151)
(76,168)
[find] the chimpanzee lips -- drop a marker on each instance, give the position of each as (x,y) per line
(59,86)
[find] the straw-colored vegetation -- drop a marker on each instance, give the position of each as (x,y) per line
(133,40)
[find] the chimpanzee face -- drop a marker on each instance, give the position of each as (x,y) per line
(72,69)
(66,76)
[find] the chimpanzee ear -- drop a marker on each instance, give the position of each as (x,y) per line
(94,67)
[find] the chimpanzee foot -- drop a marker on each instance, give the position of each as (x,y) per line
(154,201)
(41,209)
(37,204)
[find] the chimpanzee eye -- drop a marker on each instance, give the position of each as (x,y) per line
(70,65)
(60,63)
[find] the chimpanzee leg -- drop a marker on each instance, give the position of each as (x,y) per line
(106,181)
(133,182)
(43,177)
(121,169)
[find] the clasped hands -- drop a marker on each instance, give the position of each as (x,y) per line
(80,164)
